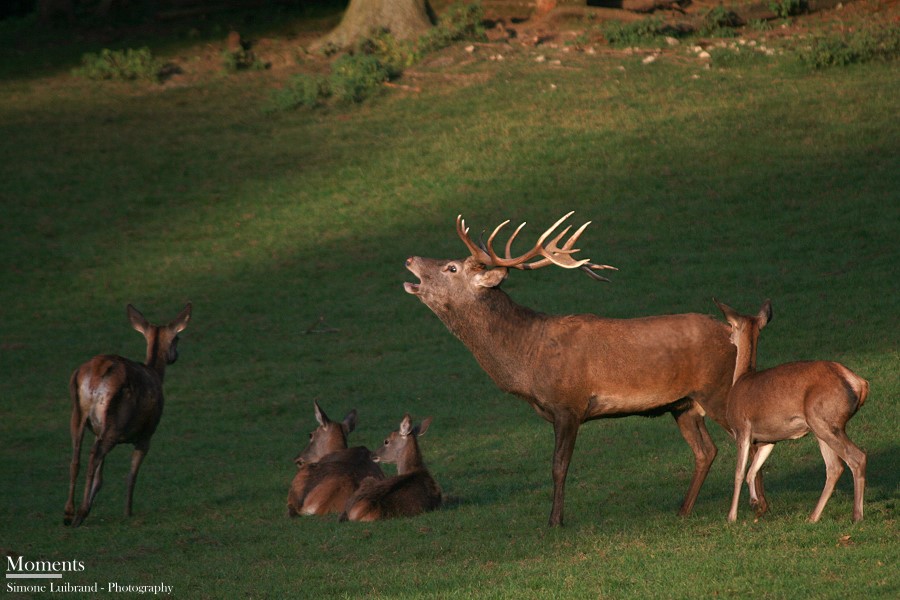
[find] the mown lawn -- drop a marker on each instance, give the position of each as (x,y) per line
(760,180)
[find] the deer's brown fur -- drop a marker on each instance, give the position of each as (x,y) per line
(576,368)
(328,472)
(786,402)
(120,401)
(411,492)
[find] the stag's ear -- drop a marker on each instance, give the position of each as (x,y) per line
(349,423)
(765,314)
(490,277)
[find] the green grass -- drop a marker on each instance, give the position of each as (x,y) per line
(756,181)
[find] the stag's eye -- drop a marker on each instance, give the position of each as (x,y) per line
(451,268)
(386,442)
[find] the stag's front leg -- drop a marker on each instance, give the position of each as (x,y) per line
(565,428)
(693,430)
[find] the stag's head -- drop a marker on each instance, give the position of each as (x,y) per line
(444,283)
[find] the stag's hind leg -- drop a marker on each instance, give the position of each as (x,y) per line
(693,430)
(759,453)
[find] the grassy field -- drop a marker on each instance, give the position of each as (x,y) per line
(759,180)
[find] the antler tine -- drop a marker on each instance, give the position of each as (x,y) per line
(551,252)
(463,233)
(511,238)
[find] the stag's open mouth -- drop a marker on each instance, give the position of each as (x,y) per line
(411,288)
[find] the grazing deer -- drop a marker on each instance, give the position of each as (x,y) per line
(411,492)
(121,402)
(328,472)
(785,403)
(573,369)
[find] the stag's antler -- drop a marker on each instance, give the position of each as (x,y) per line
(551,252)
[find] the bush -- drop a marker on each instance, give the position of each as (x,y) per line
(787,8)
(719,22)
(302,90)
(120,65)
(242,60)
(355,77)
(460,22)
(652,31)
(871,43)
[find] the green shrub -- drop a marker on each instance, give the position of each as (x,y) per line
(460,22)
(355,77)
(120,65)
(393,54)
(719,22)
(651,31)
(242,60)
(301,90)
(787,8)
(867,44)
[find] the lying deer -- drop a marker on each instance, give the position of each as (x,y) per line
(329,472)
(121,402)
(787,402)
(411,492)
(573,369)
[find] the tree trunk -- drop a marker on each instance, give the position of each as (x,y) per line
(405,19)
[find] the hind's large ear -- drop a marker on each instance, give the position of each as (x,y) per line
(137,319)
(321,417)
(406,425)
(182,319)
(422,427)
(349,422)
(731,315)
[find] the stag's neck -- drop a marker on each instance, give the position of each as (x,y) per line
(500,334)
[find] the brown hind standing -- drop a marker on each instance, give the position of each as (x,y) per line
(411,492)
(785,403)
(328,472)
(121,401)
(576,368)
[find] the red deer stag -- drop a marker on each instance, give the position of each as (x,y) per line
(121,402)
(573,369)
(785,403)
(411,492)
(329,472)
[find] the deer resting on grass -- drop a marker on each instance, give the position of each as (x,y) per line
(785,403)
(576,368)
(121,402)
(328,472)
(411,492)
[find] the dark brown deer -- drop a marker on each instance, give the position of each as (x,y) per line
(121,402)
(785,403)
(411,492)
(328,472)
(573,369)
